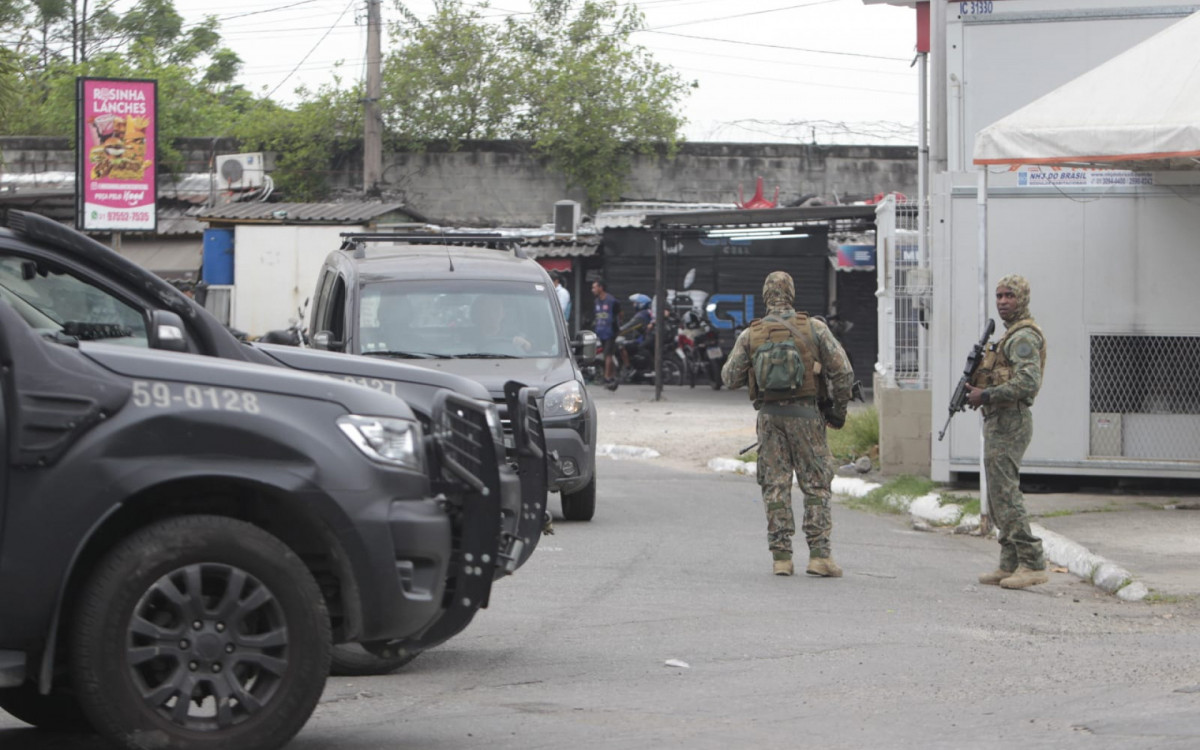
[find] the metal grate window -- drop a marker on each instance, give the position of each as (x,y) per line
(1145,398)
(905,295)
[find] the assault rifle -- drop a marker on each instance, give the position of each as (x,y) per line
(958,401)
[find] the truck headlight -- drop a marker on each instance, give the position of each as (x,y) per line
(563,400)
(390,441)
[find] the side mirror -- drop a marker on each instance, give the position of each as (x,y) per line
(167,332)
(585,342)
(325,341)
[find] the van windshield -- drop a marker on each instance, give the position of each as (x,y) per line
(485,319)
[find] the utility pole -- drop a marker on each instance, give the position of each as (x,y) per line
(372,122)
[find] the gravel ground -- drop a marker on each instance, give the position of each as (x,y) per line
(688,426)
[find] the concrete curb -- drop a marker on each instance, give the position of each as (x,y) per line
(928,512)
(1102,573)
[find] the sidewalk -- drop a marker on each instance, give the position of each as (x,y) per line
(1151,537)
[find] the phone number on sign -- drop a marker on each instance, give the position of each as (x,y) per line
(128,215)
(975,7)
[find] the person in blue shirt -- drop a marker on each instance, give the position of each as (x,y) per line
(605,320)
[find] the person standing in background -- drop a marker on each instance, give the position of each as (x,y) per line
(564,297)
(605,320)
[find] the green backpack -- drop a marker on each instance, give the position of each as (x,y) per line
(778,368)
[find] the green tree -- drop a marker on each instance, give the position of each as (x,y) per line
(194,72)
(449,79)
(594,98)
(321,134)
(565,77)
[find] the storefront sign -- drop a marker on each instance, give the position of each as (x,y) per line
(116,125)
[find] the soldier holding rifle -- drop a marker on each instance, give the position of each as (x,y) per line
(1004,386)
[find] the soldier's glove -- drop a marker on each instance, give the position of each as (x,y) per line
(834,417)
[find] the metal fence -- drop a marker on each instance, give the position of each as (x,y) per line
(905,293)
(1145,397)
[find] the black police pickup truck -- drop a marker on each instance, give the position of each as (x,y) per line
(181,537)
(92,292)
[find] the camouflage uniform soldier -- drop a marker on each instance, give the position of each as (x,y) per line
(791,424)
(1004,386)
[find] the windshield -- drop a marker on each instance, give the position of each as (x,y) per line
(57,303)
(463,319)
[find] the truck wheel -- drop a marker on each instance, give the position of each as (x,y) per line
(352,660)
(581,504)
(57,712)
(200,632)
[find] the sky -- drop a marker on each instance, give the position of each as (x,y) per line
(823,71)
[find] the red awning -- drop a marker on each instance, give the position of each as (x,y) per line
(555,264)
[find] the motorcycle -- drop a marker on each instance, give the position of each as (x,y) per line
(705,355)
(295,334)
(701,349)
(641,357)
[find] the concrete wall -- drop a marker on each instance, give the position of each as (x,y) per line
(500,183)
(904,430)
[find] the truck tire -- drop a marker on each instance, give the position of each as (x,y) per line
(56,712)
(581,504)
(352,660)
(200,632)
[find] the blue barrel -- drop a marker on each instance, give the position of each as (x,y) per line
(218,256)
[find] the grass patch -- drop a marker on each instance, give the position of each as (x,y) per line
(1057,514)
(1155,597)
(894,496)
(857,437)
(970,505)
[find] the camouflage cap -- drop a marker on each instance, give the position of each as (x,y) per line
(1020,290)
(779,290)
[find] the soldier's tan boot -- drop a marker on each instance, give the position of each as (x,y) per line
(784,568)
(995,577)
(823,566)
(1024,577)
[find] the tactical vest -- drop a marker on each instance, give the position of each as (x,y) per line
(995,369)
(767,329)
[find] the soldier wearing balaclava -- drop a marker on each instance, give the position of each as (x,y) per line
(1004,387)
(799,380)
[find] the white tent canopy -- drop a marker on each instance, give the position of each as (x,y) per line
(1139,110)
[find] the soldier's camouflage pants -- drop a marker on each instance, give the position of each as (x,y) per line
(787,446)
(1006,435)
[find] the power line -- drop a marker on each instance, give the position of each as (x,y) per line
(780,46)
(349,5)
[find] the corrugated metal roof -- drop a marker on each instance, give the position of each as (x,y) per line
(632,213)
(352,212)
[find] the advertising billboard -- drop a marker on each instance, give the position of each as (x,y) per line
(116,185)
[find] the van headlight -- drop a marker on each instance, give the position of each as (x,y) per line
(563,400)
(391,441)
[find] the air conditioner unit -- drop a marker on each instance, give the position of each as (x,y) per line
(240,171)
(566,217)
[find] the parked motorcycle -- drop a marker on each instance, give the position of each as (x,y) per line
(641,357)
(295,334)
(702,350)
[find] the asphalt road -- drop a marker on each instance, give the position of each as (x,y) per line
(906,651)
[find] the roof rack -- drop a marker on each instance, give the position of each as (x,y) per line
(357,241)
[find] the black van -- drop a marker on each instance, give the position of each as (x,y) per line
(474,306)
